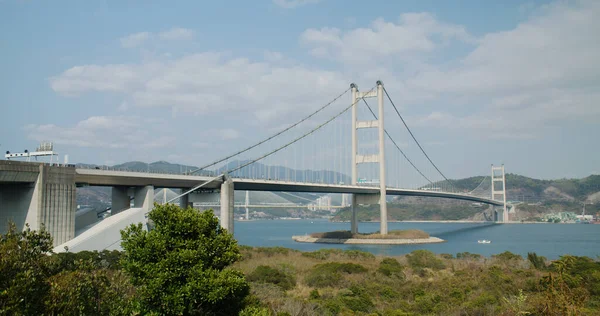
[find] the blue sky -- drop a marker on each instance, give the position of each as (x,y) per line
(481,82)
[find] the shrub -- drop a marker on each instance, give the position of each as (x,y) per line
(538,262)
(322,254)
(391,267)
(507,257)
(448,256)
(468,256)
(181,266)
(420,259)
(271,251)
(266,274)
(314,294)
(255,311)
(330,274)
(356,299)
(358,254)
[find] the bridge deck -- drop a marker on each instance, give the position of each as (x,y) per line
(126,178)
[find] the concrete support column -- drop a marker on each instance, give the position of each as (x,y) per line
(354,220)
(120,199)
(56,203)
(184,201)
(227,204)
(144,198)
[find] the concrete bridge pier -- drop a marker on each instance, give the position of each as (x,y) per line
(184,201)
(38,194)
(143,197)
(227,204)
(354,219)
(120,199)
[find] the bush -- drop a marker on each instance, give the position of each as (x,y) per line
(331,273)
(468,256)
(356,299)
(266,274)
(314,294)
(271,251)
(538,262)
(391,267)
(420,259)
(507,257)
(322,254)
(181,266)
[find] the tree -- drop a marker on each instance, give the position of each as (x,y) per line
(24,268)
(180,266)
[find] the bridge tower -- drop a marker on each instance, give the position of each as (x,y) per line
(498,176)
(376,158)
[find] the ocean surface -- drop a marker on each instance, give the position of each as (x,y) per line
(549,240)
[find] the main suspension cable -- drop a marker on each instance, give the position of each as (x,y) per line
(394,142)
(414,138)
(298,138)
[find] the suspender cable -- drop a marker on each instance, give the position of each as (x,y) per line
(414,138)
(298,138)
(272,136)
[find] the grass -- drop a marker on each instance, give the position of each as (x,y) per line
(393,234)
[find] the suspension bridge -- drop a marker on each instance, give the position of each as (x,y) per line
(340,147)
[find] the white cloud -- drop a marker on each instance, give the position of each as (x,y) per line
(541,72)
(207,83)
(290,4)
(176,33)
(135,40)
(110,132)
(413,34)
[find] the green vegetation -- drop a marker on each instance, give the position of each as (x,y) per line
(423,283)
(188,265)
(393,234)
(180,267)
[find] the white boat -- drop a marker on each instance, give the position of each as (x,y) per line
(484,241)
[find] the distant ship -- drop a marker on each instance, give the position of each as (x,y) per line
(484,241)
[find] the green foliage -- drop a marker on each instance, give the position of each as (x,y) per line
(89,291)
(24,268)
(468,256)
(537,262)
(272,251)
(420,259)
(314,294)
(561,290)
(391,267)
(255,311)
(324,254)
(331,273)
(180,267)
(356,299)
(507,257)
(266,274)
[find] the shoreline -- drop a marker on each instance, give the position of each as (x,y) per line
(359,241)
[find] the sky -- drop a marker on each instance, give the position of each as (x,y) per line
(479,82)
